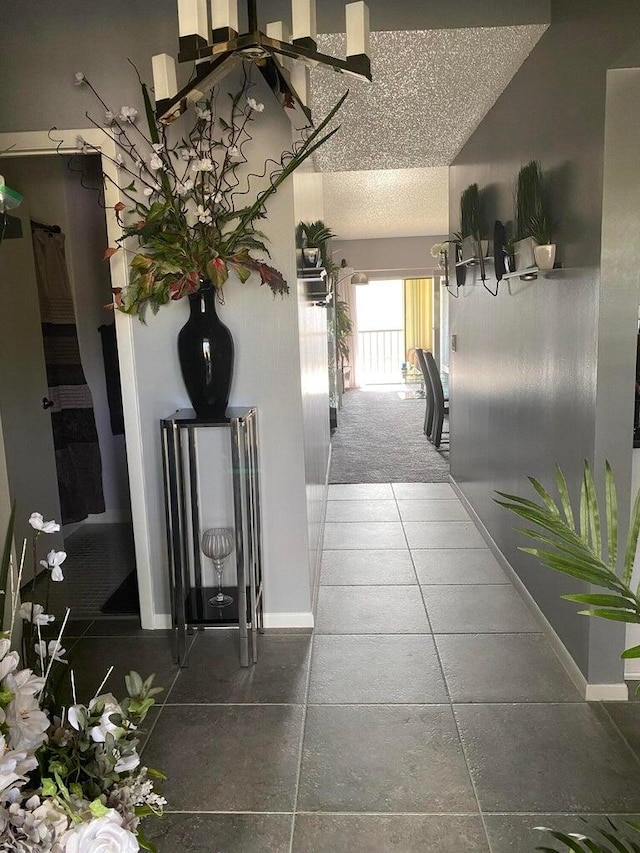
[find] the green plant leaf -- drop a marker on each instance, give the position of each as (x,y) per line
(632,542)
(546,497)
(584,512)
(593,509)
(631,654)
(612,516)
(602,600)
(613,615)
(563,491)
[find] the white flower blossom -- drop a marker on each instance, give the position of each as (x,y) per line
(204,114)
(158,147)
(255,105)
(149,191)
(184,187)
(8,660)
(27,723)
(36,520)
(127,763)
(52,650)
(188,154)
(109,118)
(31,612)
(14,766)
(79,78)
(204,164)
(204,215)
(129,114)
(234,153)
(98,733)
(105,834)
(54,560)
(156,163)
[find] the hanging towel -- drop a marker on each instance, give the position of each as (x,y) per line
(75,437)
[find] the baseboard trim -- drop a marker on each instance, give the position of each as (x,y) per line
(318,567)
(591,692)
(288,620)
(607,693)
(161,621)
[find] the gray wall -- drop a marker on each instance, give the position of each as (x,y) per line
(392,257)
(544,372)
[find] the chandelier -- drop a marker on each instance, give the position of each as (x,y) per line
(283,58)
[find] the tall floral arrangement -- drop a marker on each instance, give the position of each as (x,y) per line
(71,780)
(193,207)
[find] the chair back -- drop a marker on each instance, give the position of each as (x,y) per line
(435,381)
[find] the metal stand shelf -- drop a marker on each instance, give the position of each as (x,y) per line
(189,599)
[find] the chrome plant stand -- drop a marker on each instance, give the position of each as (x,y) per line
(190,605)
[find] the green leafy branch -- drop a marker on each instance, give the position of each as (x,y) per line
(581,843)
(578,548)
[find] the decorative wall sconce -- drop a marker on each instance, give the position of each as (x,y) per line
(217,48)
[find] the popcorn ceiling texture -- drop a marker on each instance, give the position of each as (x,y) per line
(430,91)
(387,203)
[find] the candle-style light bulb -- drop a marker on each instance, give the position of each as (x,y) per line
(358,36)
(165,83)
(303,23)
(193,28)
(224,20)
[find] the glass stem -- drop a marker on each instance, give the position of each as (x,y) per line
(219,566)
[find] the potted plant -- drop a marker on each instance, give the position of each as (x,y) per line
(543,229)
(534,226)
(313,240)
(472,245)
(191,216)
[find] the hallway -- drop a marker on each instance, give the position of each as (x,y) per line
(427,712)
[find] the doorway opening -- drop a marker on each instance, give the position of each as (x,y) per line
(61,387)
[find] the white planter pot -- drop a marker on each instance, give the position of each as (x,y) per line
(545,256)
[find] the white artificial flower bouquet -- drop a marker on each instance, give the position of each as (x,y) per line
(71,780)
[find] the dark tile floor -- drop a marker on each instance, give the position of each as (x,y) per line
(428,713)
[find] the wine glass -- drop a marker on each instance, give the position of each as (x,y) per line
(217,544)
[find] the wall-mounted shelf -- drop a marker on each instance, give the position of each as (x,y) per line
(473,262)
(531,273)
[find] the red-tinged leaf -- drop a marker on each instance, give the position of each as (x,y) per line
(218,272)
(108,253)
(117,297)
(242,270)
(269,275)
(140,224)
(184,285)
(119,207)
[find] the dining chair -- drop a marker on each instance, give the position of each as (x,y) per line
(428,393)
(440,402)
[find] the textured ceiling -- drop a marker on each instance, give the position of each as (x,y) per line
(385,172)
(387,203)
(430,90)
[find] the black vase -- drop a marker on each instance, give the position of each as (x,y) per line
(205,350)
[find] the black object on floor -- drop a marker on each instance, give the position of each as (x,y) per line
(125,599)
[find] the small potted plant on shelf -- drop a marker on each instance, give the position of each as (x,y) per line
(542,230)
(473,247)
(312,239)
(534,226)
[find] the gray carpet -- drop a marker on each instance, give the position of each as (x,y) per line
(379,439)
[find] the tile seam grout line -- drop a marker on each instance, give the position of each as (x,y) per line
(450,702)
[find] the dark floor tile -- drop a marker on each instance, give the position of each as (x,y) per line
(74,629)
(227,833)
(457,565)
(228,758)
(364,567)
(383,759)
(383,668)
(503,668)
(542,758)
(91,658)
(626,716)
(127,627)
(477,609)
(371,610)
(382,834)
(215,675)
(518,833)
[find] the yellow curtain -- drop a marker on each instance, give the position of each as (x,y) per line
(418,315)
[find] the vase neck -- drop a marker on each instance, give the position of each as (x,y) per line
(204,301)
